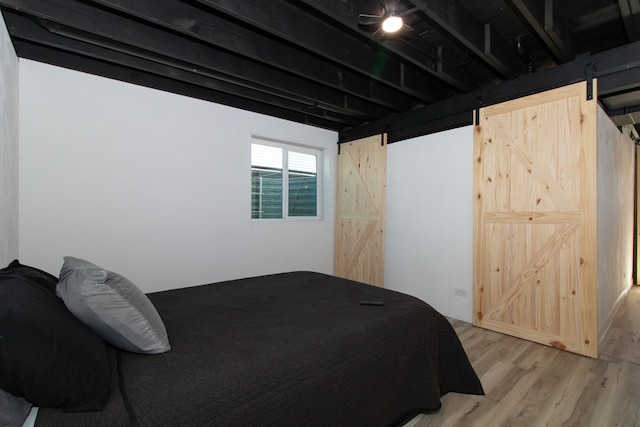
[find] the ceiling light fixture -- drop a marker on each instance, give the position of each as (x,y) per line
(392,24)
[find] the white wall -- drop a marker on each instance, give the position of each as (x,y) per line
(429,223)
(153,185)
(8,148)
(616,183)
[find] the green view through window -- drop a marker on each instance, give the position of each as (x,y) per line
(284,180)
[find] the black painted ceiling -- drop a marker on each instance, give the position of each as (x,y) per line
(310,61)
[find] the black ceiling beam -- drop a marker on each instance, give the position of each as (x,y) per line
(621,78)
(293,24)
(100,68)
(620,100)
(216,31)
(29,34)
(595,19)
(459,25)
(610,66)
(82,21)
(629,115)
(544,22)
(24,29)
(625,115)
(630,11)
(426,59)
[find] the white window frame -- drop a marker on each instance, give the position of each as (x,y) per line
(298,148)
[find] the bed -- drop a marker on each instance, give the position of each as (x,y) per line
(297,348)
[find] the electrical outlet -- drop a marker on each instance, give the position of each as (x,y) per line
(461,292)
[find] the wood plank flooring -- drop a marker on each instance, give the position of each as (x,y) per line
(528,384)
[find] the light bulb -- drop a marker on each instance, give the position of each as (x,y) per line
(392,24)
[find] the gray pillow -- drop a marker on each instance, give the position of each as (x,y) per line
(112,306)
(13,410)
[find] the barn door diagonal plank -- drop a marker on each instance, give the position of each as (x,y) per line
(360,210)
(534,239)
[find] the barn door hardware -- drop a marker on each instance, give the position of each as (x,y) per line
(590,71)
(478,106)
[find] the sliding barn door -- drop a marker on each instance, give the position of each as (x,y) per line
(535,219)
(360,210)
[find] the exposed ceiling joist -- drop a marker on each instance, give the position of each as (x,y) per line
(285,21)
(311,61)
(630,10)
(611,68)
(487,45)
(599,17)
(231,37)
(545,23)
(28,32)
(426,58)
(127,36)
(627,116)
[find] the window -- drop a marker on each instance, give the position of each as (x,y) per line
(284,180)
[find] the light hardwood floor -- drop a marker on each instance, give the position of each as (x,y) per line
(528,384)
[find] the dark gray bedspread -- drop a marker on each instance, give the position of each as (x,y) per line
(288,349)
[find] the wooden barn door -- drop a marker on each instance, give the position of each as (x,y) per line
(360,210)
(535,209)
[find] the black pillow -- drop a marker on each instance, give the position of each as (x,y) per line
(25,272)
(47,355)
